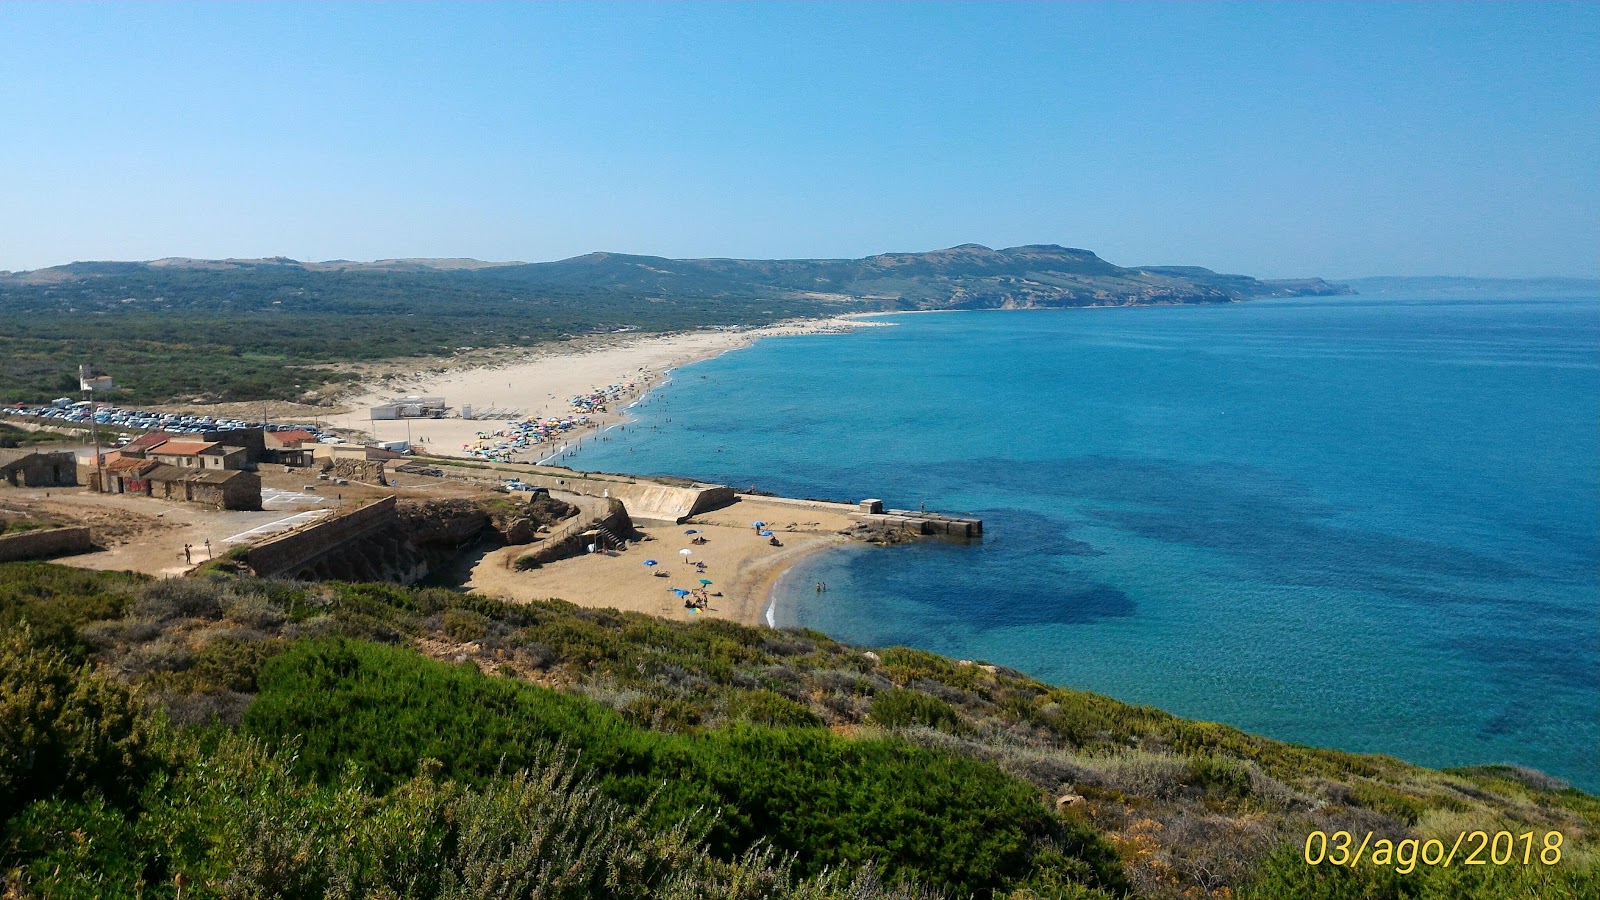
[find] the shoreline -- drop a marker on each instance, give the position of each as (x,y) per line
(741,565)
(539,382)
(746,570)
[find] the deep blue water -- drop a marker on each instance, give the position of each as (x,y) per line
(1370,524)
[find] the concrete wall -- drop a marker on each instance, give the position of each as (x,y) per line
(568,540)
(295,549)
(41,544)
(648,502)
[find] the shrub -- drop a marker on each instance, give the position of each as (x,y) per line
(920,814)
(180,598)
(63,727)
(463,625)
(899,708)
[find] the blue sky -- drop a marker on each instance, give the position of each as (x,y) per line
(1276,140)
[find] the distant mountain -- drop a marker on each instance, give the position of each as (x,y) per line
(1452,286)
(969,276)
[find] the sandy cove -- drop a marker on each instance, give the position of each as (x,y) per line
(740,564)
(544,379)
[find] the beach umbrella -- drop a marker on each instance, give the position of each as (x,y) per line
(651,562)
(766,534)
(706,582)
(680,592)
(759,524)
(685,552)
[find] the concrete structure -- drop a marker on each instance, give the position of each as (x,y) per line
(31,468)
(410,408)
(228,489)
(920,522)
(295,551)
(45,543)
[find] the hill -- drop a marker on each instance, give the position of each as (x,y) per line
(257,329)
(968,276)
(1456,287)
(224,736)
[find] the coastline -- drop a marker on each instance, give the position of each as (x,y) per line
(743,567)
(540,382)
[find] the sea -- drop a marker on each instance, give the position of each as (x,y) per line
(1362,522)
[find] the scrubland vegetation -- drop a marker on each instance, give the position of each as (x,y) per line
(233,737)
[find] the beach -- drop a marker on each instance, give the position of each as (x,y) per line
(741,565)
(618,370)
(540,384)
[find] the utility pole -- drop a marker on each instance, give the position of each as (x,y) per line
(85,374)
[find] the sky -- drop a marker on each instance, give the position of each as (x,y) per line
(1275,140)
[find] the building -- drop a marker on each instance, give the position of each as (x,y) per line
(31,468)
(410,408)
(253,440)
(125,474)
(225,488)
(290,448)
(199,455)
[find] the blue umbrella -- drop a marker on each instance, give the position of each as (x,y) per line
(651,562)
(680,592)
(758,524)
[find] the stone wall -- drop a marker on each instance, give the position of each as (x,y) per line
(43,544)
(293,550)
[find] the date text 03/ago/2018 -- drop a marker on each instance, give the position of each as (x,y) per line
(1471,848)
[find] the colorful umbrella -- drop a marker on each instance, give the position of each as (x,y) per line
(651,562)
(758,524)
(679,591)
(706,582)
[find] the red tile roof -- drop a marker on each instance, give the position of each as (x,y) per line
(177,448)
(130,464)
(145,442)
(291,438)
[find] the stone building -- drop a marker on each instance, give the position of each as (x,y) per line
(225,488)
(31,468)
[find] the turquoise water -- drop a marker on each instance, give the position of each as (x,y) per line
(1370,524)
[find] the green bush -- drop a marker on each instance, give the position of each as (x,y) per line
(918,813)
(63,728)
(899,708)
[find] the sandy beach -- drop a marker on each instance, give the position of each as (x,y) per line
(541,382)
(741,565)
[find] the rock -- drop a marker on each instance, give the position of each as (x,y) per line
(1066,800)
(520,531)
(875,658)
